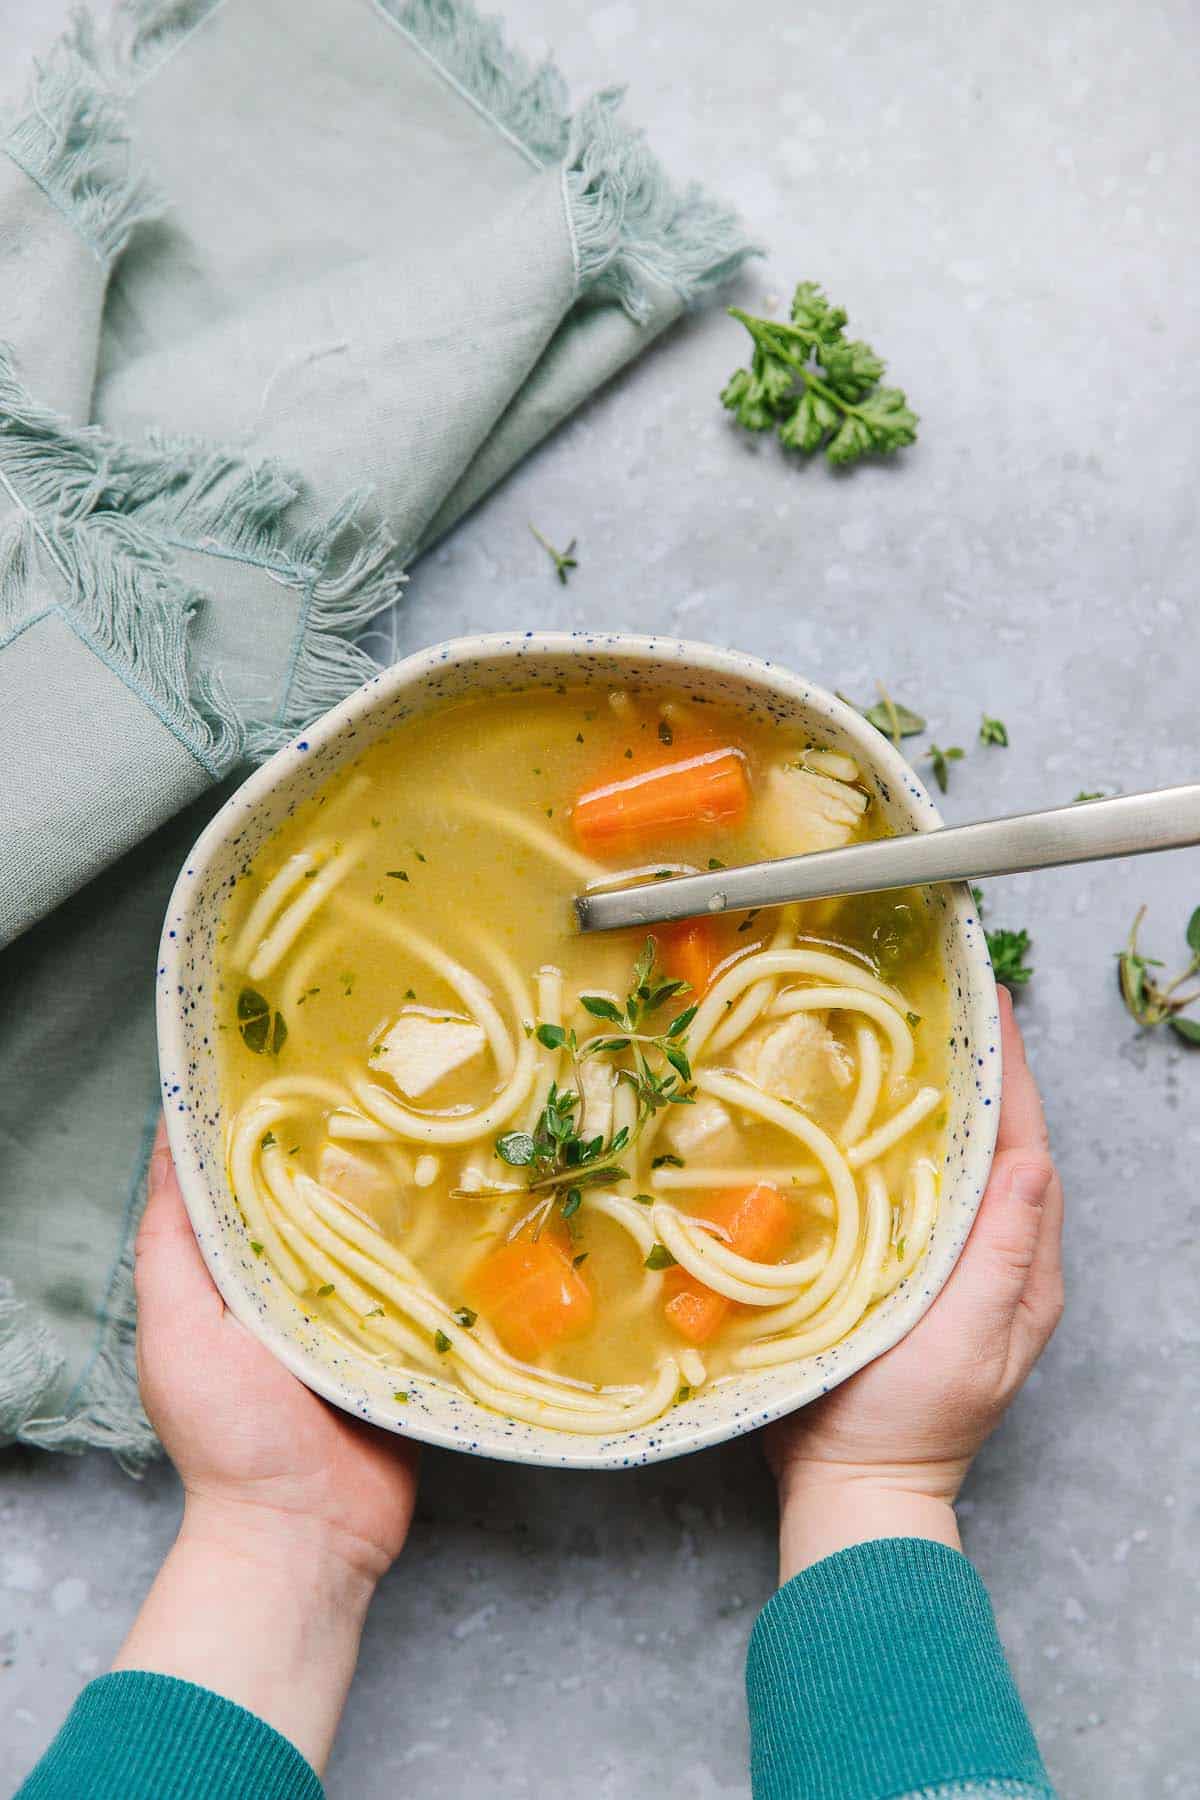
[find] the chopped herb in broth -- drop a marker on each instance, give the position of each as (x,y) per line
(552,1169)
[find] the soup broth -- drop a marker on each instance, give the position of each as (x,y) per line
(577,1176)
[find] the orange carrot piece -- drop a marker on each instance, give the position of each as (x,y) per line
(759,1222)
(690,951)
(531,1295)
(699,784)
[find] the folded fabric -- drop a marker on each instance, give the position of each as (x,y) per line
(355,258)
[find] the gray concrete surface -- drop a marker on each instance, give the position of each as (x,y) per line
(1004,199)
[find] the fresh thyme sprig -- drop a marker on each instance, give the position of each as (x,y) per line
(1145,999)
(564,560)
(559,1156)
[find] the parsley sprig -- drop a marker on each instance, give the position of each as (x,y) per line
(1146,1000)
(559,1155)
(820,389)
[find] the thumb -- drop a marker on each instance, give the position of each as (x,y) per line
(994,1268)
(169,1275)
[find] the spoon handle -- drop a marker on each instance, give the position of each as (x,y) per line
(1090,831)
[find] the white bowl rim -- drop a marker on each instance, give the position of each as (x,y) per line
(880,755)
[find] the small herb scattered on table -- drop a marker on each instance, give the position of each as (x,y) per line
(1008,950)
(993,731)
(1146,999)
(564,560)
(941,760)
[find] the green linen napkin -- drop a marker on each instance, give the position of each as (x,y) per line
(356,257)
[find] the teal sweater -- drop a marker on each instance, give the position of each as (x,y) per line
(875,1675)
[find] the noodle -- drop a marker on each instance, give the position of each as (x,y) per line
(754,1114)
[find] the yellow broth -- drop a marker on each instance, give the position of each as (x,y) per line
(417,809)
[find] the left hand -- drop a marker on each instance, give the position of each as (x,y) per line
(292,1509)
(242,1431)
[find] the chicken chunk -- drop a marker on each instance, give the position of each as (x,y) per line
(422,1048)
(801,811)
(596,1080)
(796,1058)
(360,1181)
(705,1129)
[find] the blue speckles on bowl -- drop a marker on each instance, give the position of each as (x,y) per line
(186,1032)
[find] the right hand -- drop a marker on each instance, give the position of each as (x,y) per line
(885,1453)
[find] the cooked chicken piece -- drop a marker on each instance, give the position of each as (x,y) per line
(707,1129)
(800,811)
(422,1048)
(797,1058)
(596,1113)
(358,1180)
(831,763)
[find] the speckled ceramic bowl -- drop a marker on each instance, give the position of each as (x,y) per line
(186,1037)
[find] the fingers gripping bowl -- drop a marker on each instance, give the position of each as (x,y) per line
(583,1202)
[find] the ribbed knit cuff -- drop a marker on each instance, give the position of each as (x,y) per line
(136,1736)
(877,1673)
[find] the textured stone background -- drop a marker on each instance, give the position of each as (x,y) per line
(1004,199)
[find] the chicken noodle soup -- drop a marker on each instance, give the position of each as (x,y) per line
(577,1177)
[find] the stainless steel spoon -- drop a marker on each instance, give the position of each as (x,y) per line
(1089,831)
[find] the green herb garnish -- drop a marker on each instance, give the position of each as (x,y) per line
(666,1161)
(660,1258)
(1007,950)
(261,1028)
(466,1317)
(399,1395)
(398,874)
(256,1246)
(941,760)
(1082,796)
(581,1258)
(1146,1000)
(894,719)
(818,388)
(561,1156)
(268,1139)
(993,731)
(564,560)
(325,1288)
(441,1343)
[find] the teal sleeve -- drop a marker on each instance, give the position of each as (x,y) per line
(134,1736)
(877,1674)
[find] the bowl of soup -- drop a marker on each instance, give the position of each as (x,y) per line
(581,1200)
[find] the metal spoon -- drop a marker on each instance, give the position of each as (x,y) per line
(1129,825)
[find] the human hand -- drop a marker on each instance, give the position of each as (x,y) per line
(885,1454)
(292,1509)
(241,1430)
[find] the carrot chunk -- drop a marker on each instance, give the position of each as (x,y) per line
(690,951)
(531,1295)
(759,1222)
(700,784)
